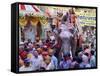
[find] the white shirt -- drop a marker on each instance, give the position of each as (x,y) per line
(36,62)
(85,65)
(92,61)
(52,37)
(55,61)
(50,66)
(23,68)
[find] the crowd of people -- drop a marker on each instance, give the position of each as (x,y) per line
(63,47)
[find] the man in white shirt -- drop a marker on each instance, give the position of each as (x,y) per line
(85,62)
(53,58)
(36,61)
(49,63)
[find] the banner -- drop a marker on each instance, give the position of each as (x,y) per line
(87,17)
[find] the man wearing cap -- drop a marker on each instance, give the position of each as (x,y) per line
(39,50)
(22,52)
(47,63)
(44,55)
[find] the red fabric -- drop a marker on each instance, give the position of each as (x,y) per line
(23,54)
(73,17)
(35,8)
(22,7)
(80,41)
(48,45)
(47,12)
(44,53)
(58,45)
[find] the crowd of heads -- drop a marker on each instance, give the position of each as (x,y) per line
(41,56)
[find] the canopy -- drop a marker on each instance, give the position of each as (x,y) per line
(29,9)
(34,11)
